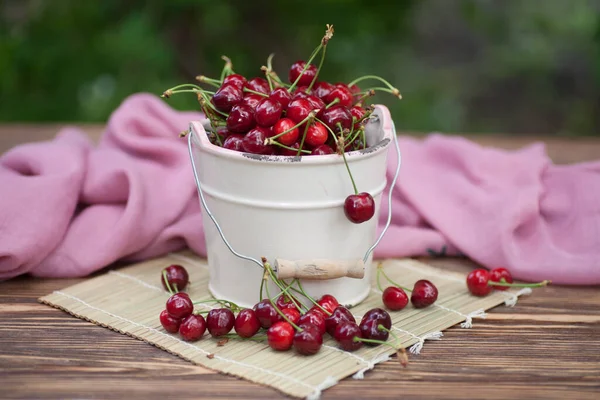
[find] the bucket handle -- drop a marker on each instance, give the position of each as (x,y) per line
(312,269)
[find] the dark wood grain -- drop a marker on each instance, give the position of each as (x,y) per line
(548,346)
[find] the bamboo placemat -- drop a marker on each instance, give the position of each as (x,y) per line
(129,300)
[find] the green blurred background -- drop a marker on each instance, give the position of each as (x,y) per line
(470,66)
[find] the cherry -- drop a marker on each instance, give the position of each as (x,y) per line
(354,89)
(246,323)
(302,91)
(501,275)
(316,135)
(424,294)
(220,321)
(359,207)
(292,314)
(380,315)
(254,141)
(334,115)
(308,341)
(344,334)
(234,142)
(283,125)
(285,301)
(394,298)
(281,95)
(322,150)
(369,329)
(252,100)
(168,322)
(328,302)
(313,318)
(477,282)
(322,89)
(192,327)
(267,112)
(226,97)
(266,313)
(298,110)
(306,77)
(358,113)
(340,314)
(343,94)
(180,305)
(300,95)
(280,336)
(177,276)
(235,79)
(315,102)
(241,119)
(258,85)
(287,152)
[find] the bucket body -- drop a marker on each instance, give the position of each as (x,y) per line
(290,208)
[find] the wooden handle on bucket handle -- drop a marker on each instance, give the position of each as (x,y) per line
(319,269)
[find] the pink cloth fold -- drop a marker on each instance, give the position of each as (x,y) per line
(69,207)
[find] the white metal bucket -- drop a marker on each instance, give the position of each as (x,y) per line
(287,207)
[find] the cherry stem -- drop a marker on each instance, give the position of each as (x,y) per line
(209,104)
(392,89)
(296,327)
(271,139)
(286,292)
(306,65)
(367,94)
(349,173)
(311,299)
(283,146)
(302,141)
(227,68)
(380,268)
(255,92)
(335,101)
(269,69)
(318,68)
(213,82)
(164,274)
(522,285)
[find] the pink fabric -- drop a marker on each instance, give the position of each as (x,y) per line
(68,207)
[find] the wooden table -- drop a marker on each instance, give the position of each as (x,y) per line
(548,346)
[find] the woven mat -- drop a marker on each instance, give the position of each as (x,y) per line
(130,299)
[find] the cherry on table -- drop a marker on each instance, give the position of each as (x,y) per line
(344,334)
(267,112)
(177,277)
(370,329)
(254,141)
(296,70)
(380,315)
(258,85)
(280,336)
(282,96)
(340,314)
(192,327)
(292,314)
(359,207)
(424,294)
(394,298)
(170,323)
(226,97)
(241,119)
(498,274)
(266,313)
(286,301)
(308,341)
(180,305)
(477,282)
(328,302)
(313,318)
(220,321)
(246,323)
(322,150)
(298,110)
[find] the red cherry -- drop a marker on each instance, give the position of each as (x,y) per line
(322,150)
(234,142)
(246,323)
(285,301)
(316,135)
(266,313)
(280,336)
(180,305)
(315,102)
(313,318)
(358,113)
(322,89)
(344,334)
(287,152)
(252,100)
(220,321)
(370,330)
(267,112)
(292,314)
(307,76)
(477,282)
(282,96)
(424,294)
(283,125)
(254,141)
(308,341)
(241,119)
(168,322)
(226,97)
(340,314)
(192,327)
(177,276)
(341,93)
(379,315)
(359,207)
(298,110)
(497,274)
(334,115)
(258,85)
(328,302)
(235,79)
(394,298)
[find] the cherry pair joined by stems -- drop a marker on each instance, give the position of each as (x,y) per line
(481,282)
(423,294)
